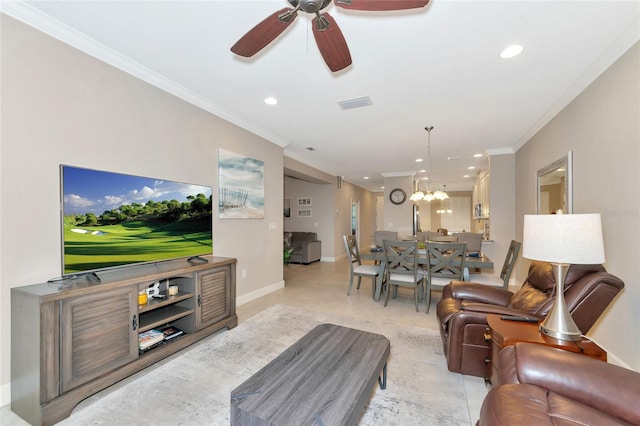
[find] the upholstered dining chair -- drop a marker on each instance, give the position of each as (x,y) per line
(505,273)
(356,268)
(403,269)
(380,236)
(472,239)
(445,262)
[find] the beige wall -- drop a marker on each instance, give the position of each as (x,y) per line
(398,217)
(322,207)
(331,210)
(502,204)
(602,128)
(60,105)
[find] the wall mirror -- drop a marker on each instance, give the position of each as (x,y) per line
(554,186)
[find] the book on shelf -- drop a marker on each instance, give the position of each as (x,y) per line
(171,332)
(149,338)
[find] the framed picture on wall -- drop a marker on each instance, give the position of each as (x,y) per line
(304,202)
(287,207)
(304,212)
(241,186)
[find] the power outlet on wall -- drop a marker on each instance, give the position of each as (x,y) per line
(243,273)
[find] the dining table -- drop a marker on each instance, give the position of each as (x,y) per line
(474,261)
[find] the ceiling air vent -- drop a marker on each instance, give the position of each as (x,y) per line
(355,103)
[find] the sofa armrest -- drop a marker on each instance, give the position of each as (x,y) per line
(314,250)
(307,252)
(476,292)
(487,308)
(606,387)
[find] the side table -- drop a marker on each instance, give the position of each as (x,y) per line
(503,333)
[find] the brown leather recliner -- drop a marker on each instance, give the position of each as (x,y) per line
(541,385)
(462,312)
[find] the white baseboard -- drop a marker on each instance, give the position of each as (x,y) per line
(5,394)
(246,298)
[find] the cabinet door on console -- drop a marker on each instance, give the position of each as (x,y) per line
(214,296)
(98,334)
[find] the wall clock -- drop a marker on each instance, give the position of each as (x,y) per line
(397,196)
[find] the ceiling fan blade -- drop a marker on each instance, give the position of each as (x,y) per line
(331,42)
(264,33)
(380,5)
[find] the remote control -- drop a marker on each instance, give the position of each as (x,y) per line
(159,296)
(517,318)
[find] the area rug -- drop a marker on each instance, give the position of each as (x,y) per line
(193,388)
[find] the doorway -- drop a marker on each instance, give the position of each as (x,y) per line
(355,220)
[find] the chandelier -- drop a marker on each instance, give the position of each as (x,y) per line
(442,210)
(433,191)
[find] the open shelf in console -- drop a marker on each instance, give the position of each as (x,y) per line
(162,316)
(159,312)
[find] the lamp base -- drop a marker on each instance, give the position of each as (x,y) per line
(558,323)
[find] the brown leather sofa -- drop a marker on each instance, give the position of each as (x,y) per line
(540,385)
(462,312)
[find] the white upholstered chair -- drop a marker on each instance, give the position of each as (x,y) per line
(505,273)
(356,268)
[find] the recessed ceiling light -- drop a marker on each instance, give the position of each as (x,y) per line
(422,171)
(271,101)
(419,160)
(470,167)
(511,51)
(477,155)
(366,177)
(465,176)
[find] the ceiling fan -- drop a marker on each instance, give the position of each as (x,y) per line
(329,38)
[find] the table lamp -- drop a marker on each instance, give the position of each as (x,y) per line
(562,240)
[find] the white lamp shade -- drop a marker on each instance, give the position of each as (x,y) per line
(563,238)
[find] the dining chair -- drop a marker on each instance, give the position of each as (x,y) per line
(402,268)
(356,268)
(380,236)
(445,263)
(472,239)
(505,273)
(443,239)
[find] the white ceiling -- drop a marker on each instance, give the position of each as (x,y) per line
(436,66)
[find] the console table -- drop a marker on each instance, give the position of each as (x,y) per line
(503,333)
(69,342)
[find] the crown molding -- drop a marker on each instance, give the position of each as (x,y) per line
(499,151)
(35,18)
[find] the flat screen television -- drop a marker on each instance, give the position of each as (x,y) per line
(112,219)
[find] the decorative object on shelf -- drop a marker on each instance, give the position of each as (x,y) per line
(142,298)
(241,180)
(172,290)
(562,240)
(397,196)
(433,191)
(153,289)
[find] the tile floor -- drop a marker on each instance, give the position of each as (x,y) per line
(321,287)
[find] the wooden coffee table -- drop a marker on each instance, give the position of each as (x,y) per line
(326,378)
